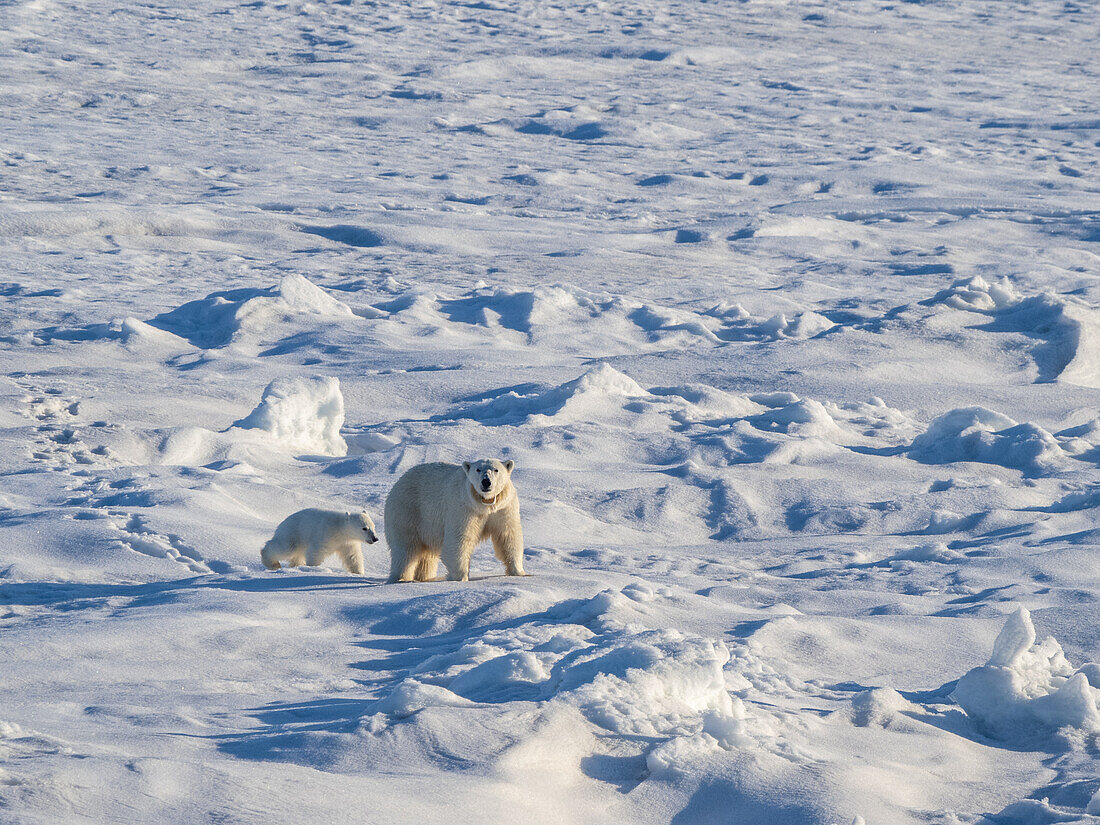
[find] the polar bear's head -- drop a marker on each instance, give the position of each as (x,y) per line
(489,476)
(361,521)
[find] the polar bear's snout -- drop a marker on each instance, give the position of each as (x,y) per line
(488,477)
(368,528)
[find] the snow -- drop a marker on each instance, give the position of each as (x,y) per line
(1026,685)
(301,415)
(978,434)
(786,312)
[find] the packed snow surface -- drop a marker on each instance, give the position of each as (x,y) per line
(787,312)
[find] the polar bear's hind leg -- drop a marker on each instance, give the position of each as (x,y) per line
(427,565)
(402,562)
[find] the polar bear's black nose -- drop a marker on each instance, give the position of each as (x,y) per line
(486,484)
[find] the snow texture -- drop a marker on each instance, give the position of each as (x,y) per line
(786,312)
(301,415)
(1025,686)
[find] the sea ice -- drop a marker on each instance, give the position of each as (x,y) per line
(1027,688)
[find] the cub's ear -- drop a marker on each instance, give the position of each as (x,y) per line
(509,464)
(466,466)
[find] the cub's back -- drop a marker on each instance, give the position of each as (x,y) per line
(309,521)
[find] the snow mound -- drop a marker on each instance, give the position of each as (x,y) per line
(979,434)
(221,317)
(978,295)
(879,707)
(1069,332)
(411,696)
(1081,343)
(801,325)
(1027,688)
(1068,327)
(601,391)
(737,324)
(804,417)
(705,403)
(301,414)
(929,552)
(591,656)
(651,684)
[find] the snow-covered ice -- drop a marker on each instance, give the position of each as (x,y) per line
(787,312)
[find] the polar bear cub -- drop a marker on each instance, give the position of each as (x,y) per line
(310,536)
(443,511)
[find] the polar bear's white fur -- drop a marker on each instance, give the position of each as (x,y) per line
(443,511)
(310,536)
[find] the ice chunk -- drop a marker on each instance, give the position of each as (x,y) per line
(303,415)
(1014,640)
(1027,688)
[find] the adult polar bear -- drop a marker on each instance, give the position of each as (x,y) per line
(443,511)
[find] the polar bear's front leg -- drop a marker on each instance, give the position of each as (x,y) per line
(352,554)
(459,542)
(508,545)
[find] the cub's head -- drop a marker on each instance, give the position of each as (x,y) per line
(488,476)
(361,521)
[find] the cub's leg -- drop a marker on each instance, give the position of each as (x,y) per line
(316,556)
(297,556)
(352,554)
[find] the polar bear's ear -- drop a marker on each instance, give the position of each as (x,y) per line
(466,466)
(509,464)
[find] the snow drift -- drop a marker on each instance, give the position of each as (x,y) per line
(979,434)
(1027,688)
(222,317)
(301,415)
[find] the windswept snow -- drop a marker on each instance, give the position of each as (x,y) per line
(1025,687)
(786,312)
(301,414)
